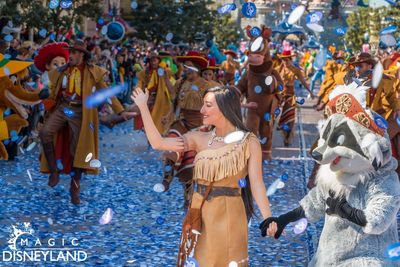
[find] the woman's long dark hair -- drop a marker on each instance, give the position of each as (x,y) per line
(228,101)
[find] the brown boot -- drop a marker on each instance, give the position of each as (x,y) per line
(75,186)
(48,151)
(168,174)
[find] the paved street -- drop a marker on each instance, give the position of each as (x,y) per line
(145,227)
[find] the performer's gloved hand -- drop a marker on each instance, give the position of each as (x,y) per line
(282,221)
(340,207)
(44,93)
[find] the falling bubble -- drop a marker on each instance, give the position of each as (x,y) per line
(88,157)
(257,89)
(95,163)
(159,188)
(104,30)
(134,5)
(233,264)
(280,185)
(263,140)
(234,137)
(168,168)
(50,221)
(8,38)
(377,74)
(169,36)
(106,217)
(300,226)
(160,72)
(31,146)
(43,33)
(6,71)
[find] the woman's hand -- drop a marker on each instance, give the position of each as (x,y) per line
(176,144)
(272,226)
(140,98)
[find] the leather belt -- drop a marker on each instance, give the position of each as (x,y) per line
(71,103)
(217,191)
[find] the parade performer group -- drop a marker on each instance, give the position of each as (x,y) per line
(215,132)
(69,85)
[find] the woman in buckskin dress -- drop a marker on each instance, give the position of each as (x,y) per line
(224,163)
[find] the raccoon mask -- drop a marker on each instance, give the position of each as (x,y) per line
(350,145)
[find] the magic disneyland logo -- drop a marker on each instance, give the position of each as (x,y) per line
(25,246)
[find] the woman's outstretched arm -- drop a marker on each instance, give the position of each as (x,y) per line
(257,184)
(155,139)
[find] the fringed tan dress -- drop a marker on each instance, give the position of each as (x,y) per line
(224,224)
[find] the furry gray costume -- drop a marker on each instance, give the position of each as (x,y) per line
(358,190)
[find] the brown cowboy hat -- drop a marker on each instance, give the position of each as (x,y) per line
(286,54)
(230,52)
(196,58)
(362,58)
(79,45)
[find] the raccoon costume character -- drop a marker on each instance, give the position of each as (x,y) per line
(357,191)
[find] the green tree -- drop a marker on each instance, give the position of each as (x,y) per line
(186,20)
(362,21)
(225,31)
(37,14)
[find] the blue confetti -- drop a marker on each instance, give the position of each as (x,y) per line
(160,220)
(68,112)
(249,10)
(191,262)
(65,4)
(225,9)
(255,32)
(277,112)
(286,127)
(168,168)
(393,252)
(242,182)
(267,116)
(8,38)
(54,4)
(285,177)
(398,121)
(280,87)
(381,122)
(145,230)
(60,166)
(300,101)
